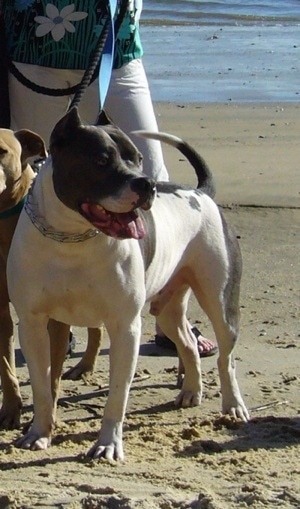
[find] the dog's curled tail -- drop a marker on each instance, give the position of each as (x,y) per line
(205,178)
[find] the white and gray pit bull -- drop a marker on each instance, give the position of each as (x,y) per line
(96,240)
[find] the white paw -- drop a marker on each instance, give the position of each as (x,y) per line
(109,444)
(188,399)
(109,452)
(236,409)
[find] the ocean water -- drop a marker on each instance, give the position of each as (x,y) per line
(284,12)
(197,51)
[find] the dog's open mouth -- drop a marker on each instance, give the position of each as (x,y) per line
(126,225)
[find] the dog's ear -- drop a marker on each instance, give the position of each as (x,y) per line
(32,145)
(65,127)
(104,119)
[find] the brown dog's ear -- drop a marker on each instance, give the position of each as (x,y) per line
(103,119)
(32,145)
(66,127)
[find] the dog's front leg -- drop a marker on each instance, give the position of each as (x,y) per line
(35,345)
(10,412)
(124,349)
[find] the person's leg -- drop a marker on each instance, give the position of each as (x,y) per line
(129,104)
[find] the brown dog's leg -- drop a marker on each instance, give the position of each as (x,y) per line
(87,364)
(10,412)
(59,340)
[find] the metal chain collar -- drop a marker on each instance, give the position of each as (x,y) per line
(50,232)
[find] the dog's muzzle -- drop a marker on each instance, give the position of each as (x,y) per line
(125,224)
(146,190)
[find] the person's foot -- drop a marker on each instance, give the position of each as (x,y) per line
(206,347)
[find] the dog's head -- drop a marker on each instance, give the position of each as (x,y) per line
(97,172)
(15,150)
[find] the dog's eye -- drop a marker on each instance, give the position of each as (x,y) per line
(102,161)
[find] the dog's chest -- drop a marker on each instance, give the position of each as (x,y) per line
(81,283)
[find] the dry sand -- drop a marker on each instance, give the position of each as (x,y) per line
(196,458)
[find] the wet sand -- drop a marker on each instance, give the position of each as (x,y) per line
(253,149)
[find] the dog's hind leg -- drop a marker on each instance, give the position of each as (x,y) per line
(218,295)
(87,364)
(173,322)
(226,331)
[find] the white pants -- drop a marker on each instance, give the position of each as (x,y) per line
(128,103)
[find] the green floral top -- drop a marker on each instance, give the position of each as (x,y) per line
(63,35)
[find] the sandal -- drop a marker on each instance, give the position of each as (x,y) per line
(164,342)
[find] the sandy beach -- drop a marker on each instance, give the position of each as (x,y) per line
(253,149)
(196,458)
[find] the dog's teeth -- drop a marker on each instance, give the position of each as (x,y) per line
(101,209)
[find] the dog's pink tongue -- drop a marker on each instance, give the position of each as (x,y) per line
(121,226)
(136,229)
(126,226)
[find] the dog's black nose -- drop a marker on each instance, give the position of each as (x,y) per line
(143,186)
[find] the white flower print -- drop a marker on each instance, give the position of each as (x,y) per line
(58,22)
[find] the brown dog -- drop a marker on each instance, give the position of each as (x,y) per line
(16,176)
